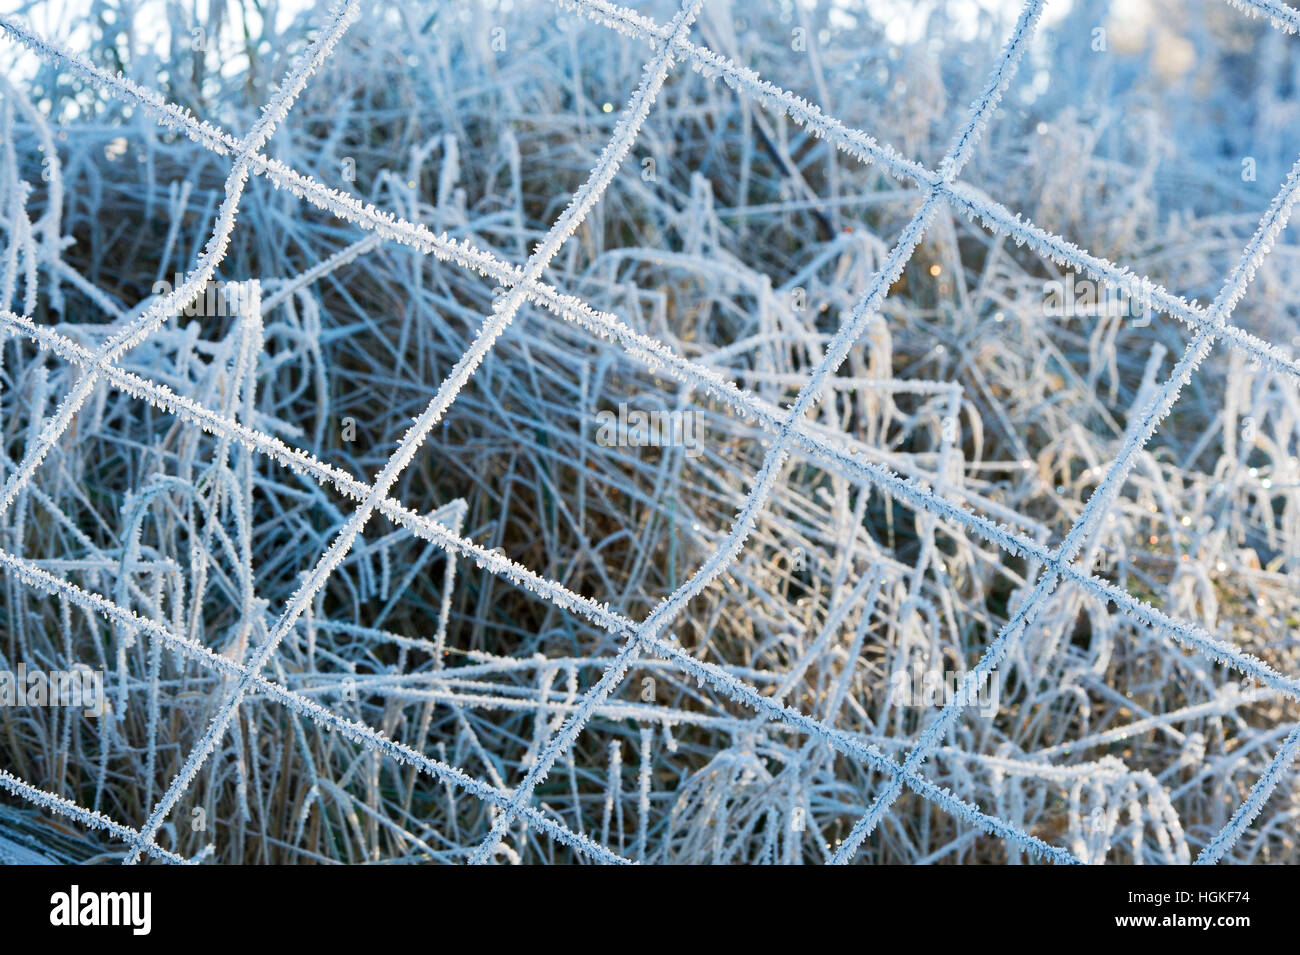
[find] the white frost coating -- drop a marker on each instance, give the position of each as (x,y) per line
(923,492)
(1140,430)
(638,108)
(777,454)
(341,17)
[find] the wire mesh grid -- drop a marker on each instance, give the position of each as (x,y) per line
(789,427)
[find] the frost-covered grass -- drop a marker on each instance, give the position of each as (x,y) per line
(459,234)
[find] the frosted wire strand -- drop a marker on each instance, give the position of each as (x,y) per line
(907,492)
(87,817)
(428,529)
(519,576)
(645,349)
(1254,802)
(160,311)
(1139,433)
(1270,227)
(653,354)
(972,202)
(634,115)
(194,413)
(777,454)
(843,742)
(41,579)
(139,329)
(1281,16)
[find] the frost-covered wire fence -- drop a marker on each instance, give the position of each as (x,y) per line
(561,718)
